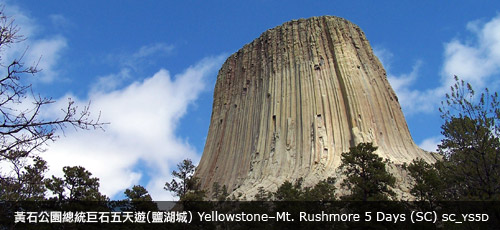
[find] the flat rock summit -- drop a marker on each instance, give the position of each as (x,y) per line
(290,102)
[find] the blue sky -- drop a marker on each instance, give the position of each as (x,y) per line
(150,68)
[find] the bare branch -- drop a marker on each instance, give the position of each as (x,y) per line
(23,131)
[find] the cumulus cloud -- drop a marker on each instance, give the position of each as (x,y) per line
(45,53)
(129,63)
(37,49)
(412,100)
(143,118)
(111,81)
(430,144)
(385,56)
(476,61)
(140,145)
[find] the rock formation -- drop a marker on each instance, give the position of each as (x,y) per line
(289,103)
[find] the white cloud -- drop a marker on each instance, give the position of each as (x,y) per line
(141,141)
(412,100)
(41,50)
(59,21)
(475,61)
(111,81)
(143,116)
(152,49)
(430,144)
(144,56)
(129,63)
(385,56)
(45,53)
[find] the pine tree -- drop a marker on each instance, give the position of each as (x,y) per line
(366,176)
(185,185)
(28,183)
(289,192)
(471,145)
(428,186)
(139,199)
(324,190)
(219,193)
(77,185)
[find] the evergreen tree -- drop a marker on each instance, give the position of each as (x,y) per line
(219,193)
(139,199)
(184,184)
(471,146)
(28,184)
(263,195)
(366,176)
(289,192)
(138,193)
(77,185)
(324,190)
(428,186)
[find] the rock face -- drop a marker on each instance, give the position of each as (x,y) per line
(289,103)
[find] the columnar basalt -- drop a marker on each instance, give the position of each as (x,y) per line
(289,103)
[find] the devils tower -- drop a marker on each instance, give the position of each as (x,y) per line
(290,102)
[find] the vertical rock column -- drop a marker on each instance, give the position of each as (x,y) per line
(290,102)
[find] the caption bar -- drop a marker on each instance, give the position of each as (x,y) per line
(215,216)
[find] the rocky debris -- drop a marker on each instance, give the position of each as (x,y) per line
(290,102)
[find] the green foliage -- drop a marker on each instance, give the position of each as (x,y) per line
(77,185)
(428,184)
(29,184)
(194,193)
(219,193)
(179,185)
(184,185)
(138,193)
(263,195)
(322,191)
(139,199)
(32,178)
(471,146)
(366,175)
(289,192)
